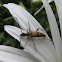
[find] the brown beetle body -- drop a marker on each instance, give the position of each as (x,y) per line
(33,34)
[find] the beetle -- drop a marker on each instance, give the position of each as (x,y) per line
(31,34)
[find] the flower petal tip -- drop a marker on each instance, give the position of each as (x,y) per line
(5,27)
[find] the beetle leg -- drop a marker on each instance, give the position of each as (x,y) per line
(20,40)
(28,36)
(34,44)
(27,31)
(26,42)
(29,26)
(40,29)
(20,37)
(28,39)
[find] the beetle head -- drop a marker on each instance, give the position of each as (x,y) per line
(23,34)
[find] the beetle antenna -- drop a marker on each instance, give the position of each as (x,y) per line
(34,44)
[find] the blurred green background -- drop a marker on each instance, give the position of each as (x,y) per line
(30,6)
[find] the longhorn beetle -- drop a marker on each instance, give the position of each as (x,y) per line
(31,34)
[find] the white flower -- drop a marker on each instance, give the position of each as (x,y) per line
(46,52)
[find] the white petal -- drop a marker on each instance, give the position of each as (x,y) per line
(49,1)
(38,10)
(14,31)
(43,44)
(54,28)
(9,57)
(59,10)
(15,51)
